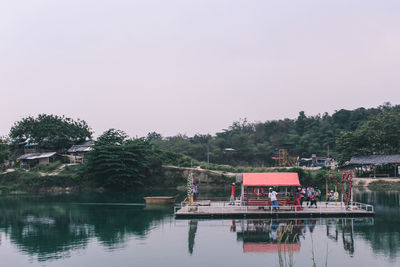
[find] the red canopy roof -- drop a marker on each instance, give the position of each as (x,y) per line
(271,179)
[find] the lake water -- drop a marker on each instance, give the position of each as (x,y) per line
(118,230)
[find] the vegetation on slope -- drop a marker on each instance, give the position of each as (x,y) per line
(119,162)
(342,134)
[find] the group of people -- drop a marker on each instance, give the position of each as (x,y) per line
(309,194)
(332,195)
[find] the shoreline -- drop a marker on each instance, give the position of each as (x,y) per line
(391,183)
(67,179)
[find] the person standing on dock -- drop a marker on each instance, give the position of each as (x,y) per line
(310,191)
(194,190)
(303,192)
(232,200)
(274,201)
(313,199)
(298,199)
(318,193)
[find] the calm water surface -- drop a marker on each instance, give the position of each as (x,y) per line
(119,230)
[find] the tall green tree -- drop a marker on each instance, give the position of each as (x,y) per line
(118,162)
(379,135)
(50,131)
(112,137)
(4,151)
(301,123)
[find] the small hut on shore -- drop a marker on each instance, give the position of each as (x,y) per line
(376,165)
(77,153)
(30,160)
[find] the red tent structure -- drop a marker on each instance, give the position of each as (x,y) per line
(255,188)
(271,179)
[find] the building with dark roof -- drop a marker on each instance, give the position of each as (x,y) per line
(376,165)
(375,160)
(76,153)
(28,161)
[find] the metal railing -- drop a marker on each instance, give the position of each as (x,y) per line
(224,207)
(186,201)
(362,206)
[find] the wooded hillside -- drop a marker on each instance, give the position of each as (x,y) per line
(342,134)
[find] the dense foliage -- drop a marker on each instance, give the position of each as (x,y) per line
(380,134)
(112,137)
(4,151)
(50,131)
(341,135)
(118,162)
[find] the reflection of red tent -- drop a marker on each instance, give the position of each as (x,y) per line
(270,247)
(255,184)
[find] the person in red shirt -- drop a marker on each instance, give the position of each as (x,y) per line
(299,197)
(232,200)
(313,199)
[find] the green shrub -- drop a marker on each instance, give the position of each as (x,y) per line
(48,167)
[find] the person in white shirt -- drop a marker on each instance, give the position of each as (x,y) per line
(274,201)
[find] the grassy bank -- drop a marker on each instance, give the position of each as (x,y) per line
(44,179)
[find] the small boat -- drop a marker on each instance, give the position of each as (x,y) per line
(160,199)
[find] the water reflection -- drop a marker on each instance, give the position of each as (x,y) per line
(192,234)
(56,227)
(284,235)
(345,226)
(384,236)
(270,235)
(266,235)
(51,230)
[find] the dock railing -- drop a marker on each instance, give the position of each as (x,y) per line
(185,202)
(225,207)
(362,206)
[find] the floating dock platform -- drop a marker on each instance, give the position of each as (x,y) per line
(221,209)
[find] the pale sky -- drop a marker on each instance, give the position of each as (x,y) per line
(194,66)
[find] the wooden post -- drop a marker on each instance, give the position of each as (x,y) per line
(247,196)
(242,195)
(326,188)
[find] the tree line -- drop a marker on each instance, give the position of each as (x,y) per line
(117,160)
(341,135)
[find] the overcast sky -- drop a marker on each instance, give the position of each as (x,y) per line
(194,66)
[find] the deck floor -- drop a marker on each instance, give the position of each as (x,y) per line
(223,209)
